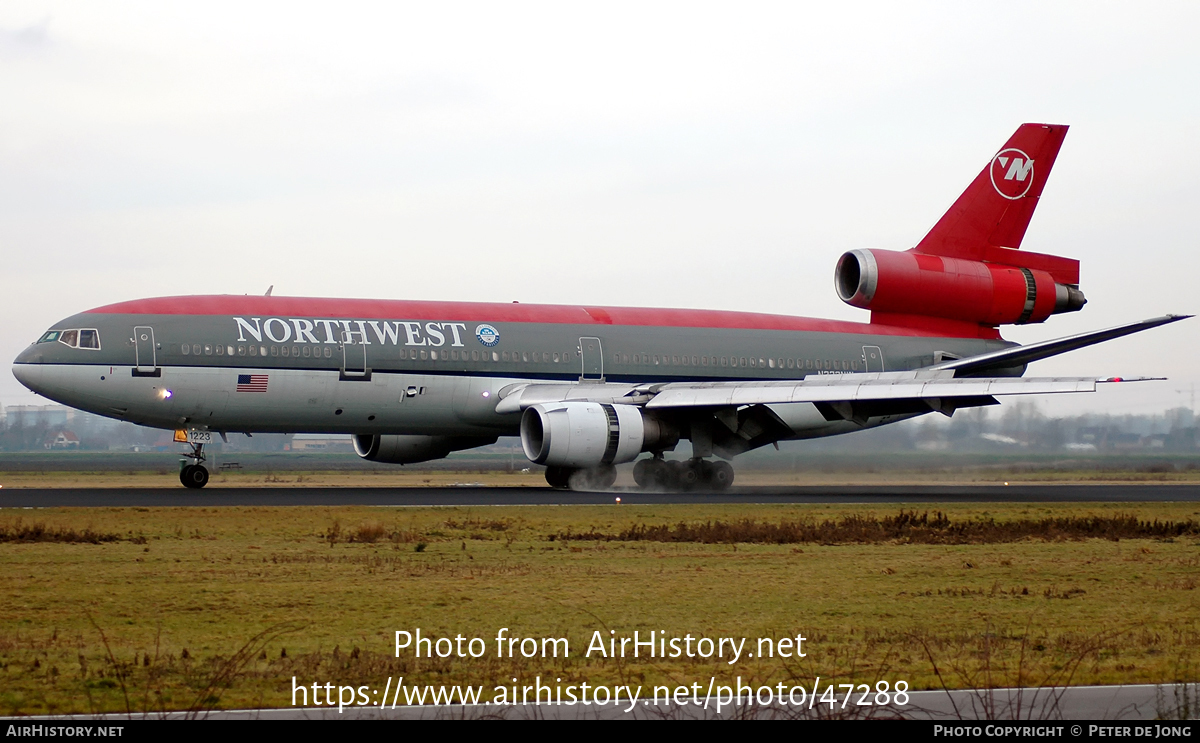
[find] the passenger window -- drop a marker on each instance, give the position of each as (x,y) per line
(424,355)
(474,356)
(791,363)
(220,350)
(495,356)
(208,349)
(241,350)
(196,349)
(228,350)
(69,337)
(724,361)
(403,353)
(185,349)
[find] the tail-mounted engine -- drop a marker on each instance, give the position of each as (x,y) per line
(915,284)
(589,434)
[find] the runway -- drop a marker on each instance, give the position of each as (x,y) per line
(482,496)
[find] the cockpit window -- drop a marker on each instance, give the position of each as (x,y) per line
(89,339)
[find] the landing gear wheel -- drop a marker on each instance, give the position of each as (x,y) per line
(722,475)
(690,474)
(655,474)
(593,478)
(559,477)
(643,473)
(194,476)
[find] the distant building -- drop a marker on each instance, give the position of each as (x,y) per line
(63,440)
(32,416)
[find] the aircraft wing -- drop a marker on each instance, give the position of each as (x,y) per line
(861,387)
(942,387)
(939,388)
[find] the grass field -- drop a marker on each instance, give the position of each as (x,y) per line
(165,614)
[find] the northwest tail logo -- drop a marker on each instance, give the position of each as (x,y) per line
(1012,173)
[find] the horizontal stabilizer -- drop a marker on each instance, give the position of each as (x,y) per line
(1021,355)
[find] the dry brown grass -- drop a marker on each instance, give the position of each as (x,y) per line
(19,531)
(905,527)
(177,611)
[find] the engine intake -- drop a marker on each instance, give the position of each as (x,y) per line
(399,449)
(909,283)
(589,434)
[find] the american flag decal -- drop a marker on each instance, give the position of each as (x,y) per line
(252,383)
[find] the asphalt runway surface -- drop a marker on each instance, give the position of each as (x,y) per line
(482,496)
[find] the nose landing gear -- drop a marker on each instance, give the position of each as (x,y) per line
(194,475)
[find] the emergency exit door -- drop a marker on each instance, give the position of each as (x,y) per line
(592,355)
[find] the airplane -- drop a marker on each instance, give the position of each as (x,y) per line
(587,388)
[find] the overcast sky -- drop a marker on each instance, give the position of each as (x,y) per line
(696,155)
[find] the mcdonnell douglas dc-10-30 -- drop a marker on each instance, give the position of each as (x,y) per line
(587,388)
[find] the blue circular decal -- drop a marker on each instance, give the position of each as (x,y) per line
(487,335)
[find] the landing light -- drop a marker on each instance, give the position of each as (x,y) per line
(487,394)
(166,394)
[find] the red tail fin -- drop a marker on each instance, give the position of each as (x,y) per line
(995,209)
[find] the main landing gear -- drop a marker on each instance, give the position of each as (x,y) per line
(692,474)
(194,475)
(649,474)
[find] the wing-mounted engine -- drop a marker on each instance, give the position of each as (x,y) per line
(591,434)
(398,449)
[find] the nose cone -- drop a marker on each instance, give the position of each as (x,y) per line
(26,367)
(27,374)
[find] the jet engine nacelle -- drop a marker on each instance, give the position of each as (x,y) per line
(589,434)
(396,449)
(908,283)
